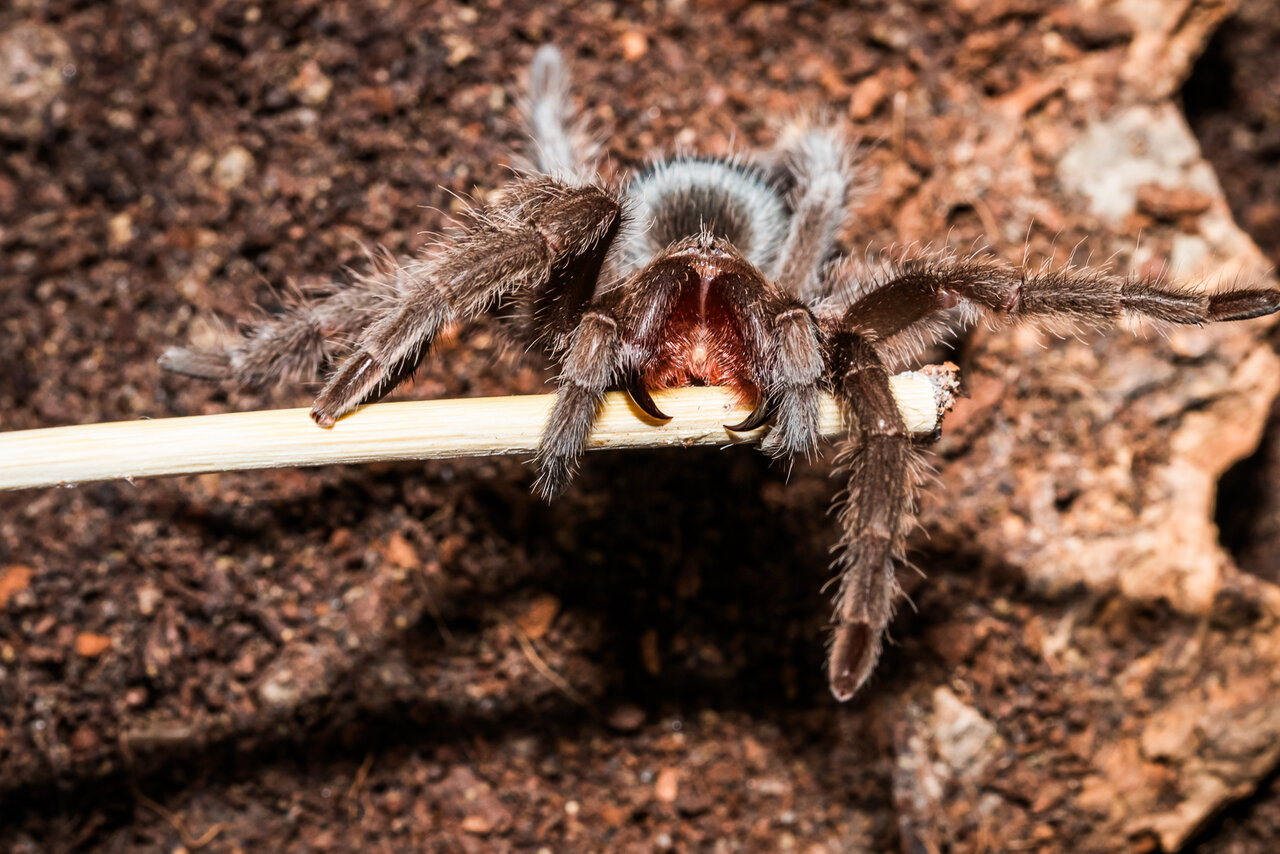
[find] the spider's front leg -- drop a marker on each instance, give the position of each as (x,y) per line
(883,470)
(293,344)
(910,297)
(544,240)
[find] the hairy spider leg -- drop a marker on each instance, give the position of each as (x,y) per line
(883,469)
(903,308)
(819,160)
(590,366)
(543,239)
(562,147)
(294,344)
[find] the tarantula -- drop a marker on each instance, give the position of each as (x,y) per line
(697,270)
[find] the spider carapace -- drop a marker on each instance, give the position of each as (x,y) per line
(698,271)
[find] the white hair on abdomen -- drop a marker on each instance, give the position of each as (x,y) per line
(562,147)
(686,195)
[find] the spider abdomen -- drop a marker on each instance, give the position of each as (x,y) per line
(679,198)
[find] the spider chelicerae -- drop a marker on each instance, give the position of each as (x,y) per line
(696,270)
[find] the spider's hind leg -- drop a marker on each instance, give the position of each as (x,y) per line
(819,159)
(562,146)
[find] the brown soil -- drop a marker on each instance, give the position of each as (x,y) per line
(423,656)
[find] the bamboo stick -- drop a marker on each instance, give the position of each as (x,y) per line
(66,456)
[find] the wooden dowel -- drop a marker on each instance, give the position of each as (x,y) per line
(65,456)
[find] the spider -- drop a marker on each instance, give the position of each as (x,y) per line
(696,270)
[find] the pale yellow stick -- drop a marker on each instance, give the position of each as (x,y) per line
(64,456)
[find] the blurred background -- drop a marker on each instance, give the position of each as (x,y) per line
(424,655)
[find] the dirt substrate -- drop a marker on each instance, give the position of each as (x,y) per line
(424,656)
